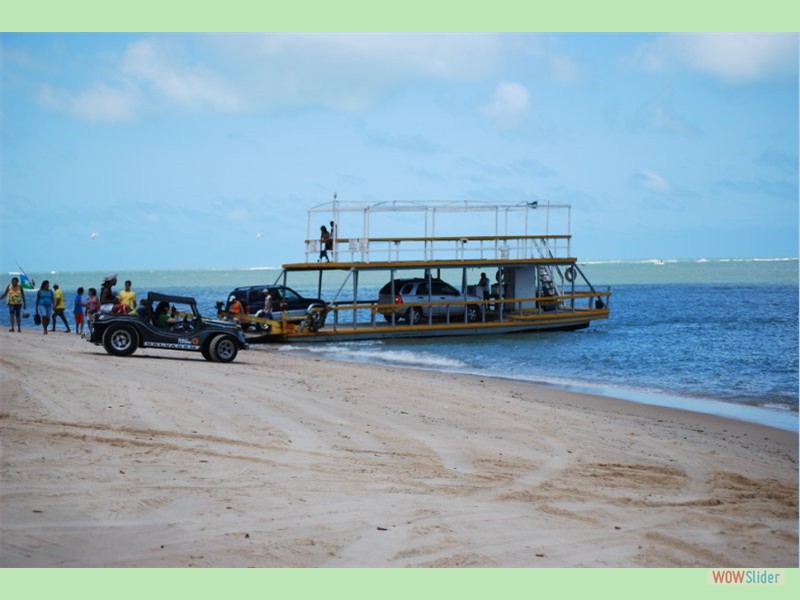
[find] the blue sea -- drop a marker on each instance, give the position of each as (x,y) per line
(713,336)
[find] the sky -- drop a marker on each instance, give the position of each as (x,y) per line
(161,151)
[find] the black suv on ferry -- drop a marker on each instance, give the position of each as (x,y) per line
(283,298)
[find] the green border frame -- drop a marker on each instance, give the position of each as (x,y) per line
(409,15)
(369,15)
(380,584)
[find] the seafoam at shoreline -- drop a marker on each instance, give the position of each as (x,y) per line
(779,418)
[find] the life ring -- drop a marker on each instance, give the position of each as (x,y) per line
(569,274)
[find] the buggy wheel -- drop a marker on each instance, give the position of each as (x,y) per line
(223,349)
(120,340)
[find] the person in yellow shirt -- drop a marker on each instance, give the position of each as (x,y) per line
(16,302)
(58,307)
(127,297)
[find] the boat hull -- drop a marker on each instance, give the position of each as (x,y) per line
(569,321)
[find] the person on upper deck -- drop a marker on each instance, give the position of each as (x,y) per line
(325,244)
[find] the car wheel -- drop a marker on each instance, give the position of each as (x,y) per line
(473,313)
(223,349)
(414,315)
(493,305)
(120,340)
(260,326)
(316,317)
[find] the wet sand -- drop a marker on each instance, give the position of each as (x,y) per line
(163,459)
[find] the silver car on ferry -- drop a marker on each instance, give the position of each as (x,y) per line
(419,299)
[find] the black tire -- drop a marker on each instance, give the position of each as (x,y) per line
(414,315)
(316,317)
(473,313)
(207,353)
(223,349)
(120,340)
(263,327)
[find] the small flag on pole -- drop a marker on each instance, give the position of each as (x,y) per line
(27,284)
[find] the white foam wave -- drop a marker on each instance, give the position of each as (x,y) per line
(776,406)
(259,269)
(660,261)
(376,355)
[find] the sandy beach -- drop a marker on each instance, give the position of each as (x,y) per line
(165,460)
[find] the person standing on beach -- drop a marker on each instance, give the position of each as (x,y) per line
(236,308)
(127,298)
(59,306)
(92,306)
(44,300)
(78,309)
(16,302)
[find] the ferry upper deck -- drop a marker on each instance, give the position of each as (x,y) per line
(401,234)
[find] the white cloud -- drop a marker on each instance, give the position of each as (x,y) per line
(653,181)
(100,102)
(262,71)
(407,143)
(104,103)
(565,69)
(510,104)
(731,57)
(660,117)
(239,213)
(351,71)
(547,49)
(147,66)
(451,56)
(192,86)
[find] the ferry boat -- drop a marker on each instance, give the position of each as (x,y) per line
(423,269)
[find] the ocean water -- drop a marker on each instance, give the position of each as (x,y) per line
(718,336)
